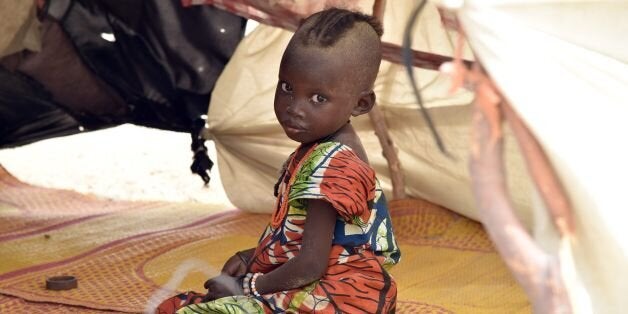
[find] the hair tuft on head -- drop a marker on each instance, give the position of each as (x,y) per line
(328,26)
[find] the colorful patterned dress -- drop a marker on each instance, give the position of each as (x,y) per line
(363,246)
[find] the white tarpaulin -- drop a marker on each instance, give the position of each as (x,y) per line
(564,66)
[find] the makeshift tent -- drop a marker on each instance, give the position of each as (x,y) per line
(550,65)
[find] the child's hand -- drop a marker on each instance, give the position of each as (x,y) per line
(223,286)
(235,266)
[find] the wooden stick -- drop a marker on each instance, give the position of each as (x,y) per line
(390,153)
(420,59)
(379,6)
(537,272)
(381,130)
(543,175)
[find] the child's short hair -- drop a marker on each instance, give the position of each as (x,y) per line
(354,36)
(326,27)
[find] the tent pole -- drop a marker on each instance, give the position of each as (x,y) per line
(390,153)
(543,175)
(379,6)
(381,130)
(536,271)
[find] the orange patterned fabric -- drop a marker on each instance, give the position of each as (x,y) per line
(350,182)
(363,242)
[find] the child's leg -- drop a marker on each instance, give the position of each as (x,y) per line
(171,305)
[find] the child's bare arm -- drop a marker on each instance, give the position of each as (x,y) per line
(237,264)
(312,261)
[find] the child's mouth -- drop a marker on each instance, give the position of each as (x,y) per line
(292,128)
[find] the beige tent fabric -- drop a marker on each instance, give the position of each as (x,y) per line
(564,67)
(19,27)
(252,146)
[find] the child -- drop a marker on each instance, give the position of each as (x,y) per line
(330,237)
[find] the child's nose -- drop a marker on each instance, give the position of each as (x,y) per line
(295,107)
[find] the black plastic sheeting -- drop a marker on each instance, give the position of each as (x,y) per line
(28,112)
(107,62)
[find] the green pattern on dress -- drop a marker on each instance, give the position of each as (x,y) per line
(238,304)
(307,168)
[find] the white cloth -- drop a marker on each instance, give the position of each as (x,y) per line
(564,67)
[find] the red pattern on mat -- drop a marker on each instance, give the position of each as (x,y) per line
(110,272)
(15,305)
(67,207)
(426,224)
(420,307)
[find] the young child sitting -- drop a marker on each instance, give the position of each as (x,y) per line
(330,239)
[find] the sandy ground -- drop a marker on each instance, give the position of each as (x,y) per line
(126,162)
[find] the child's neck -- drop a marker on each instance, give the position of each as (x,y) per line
(346,135)
(350,138)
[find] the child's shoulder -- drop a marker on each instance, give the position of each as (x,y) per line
(332,171)
(334,149)
(335,155)
(353,150)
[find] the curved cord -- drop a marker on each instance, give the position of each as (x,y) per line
(407,62)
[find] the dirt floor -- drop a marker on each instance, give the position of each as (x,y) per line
(126,162)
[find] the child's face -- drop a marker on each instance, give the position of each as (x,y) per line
(315,95)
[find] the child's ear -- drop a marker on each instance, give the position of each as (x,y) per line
(365,103)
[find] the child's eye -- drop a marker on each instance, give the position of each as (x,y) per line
(285,87)
(318,98)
